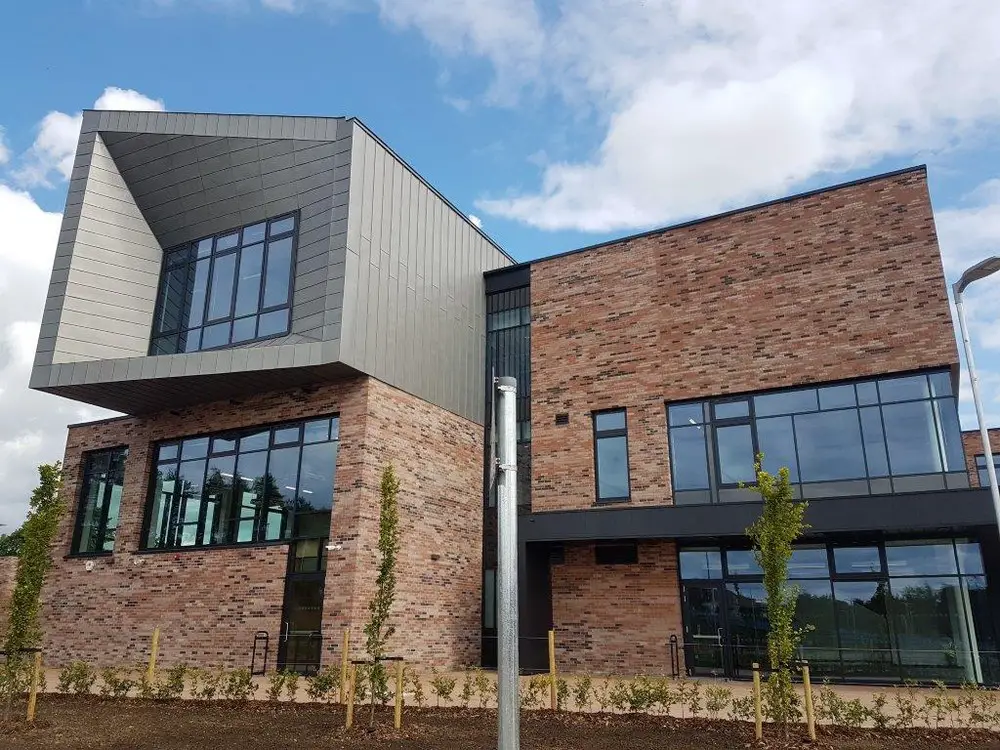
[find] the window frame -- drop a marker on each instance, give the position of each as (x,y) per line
(258,534)
(74,549)
(982,475)
(949,475)
(189,266)
(597,436)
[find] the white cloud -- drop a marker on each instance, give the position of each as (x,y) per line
(287,6)
(4,149)
(54,148)
(32,424)
(705,106)
(476,220)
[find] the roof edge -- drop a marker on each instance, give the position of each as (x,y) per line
(722,215)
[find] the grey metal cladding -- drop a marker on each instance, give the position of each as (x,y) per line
(413,269)
(388,276)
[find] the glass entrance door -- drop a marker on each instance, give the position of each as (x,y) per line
(300,642)
(704,629)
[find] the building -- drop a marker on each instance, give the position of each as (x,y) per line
(281,306)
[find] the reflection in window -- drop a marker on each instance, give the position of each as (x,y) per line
(100,501)
(981,471)
(226,289)
(611,455)
(925,616)
(243,490)
(891,435)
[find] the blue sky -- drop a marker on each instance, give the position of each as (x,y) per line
(556,124)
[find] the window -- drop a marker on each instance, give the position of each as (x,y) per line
(226,289)
(881,436)
(100,502)
(255,485)
(611,456)
(898,609)
(616,553)
(984,477)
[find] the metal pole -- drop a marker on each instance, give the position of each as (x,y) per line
(508,705)
(991,471)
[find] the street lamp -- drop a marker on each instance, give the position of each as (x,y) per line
(979,271)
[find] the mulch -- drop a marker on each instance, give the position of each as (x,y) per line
(90,722)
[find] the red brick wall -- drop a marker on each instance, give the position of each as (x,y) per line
(209,603)
(845,283)
(973,444)
(616,619)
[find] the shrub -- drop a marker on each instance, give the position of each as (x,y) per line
(172,685)
(983,707)
(694,699)
(442,686)
(716,699)
(291,684)
(741,709)
(204,682)
(531,691)
(582,692)
(562,694)
(78,677)
(275,685)
(781,704)
(602,695)
(238,685)
(147,687)
(466,694)
(418,690)
(907,710)
(876,711)
(485,687)
(361,684)
(115,683)
(322,685)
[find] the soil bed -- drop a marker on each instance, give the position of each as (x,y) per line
(84,722)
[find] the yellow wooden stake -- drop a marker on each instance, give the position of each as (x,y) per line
(350,696)
(758,719)
(154,649)
(36,671)
(552,669)
(399,694)
(343,664)
(807,685)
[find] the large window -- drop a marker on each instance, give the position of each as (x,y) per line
(227,289)
(905,609)
(100,501)
(890,435)
(984,477)
(611,456)
(262,484)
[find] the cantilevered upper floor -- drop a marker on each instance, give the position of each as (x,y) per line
(203,256)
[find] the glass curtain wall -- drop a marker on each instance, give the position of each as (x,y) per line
(871,437)
(262,484)
(906,609)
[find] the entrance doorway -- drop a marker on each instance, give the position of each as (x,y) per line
(300,642)
(725,628)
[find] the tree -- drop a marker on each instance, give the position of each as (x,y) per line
(780,524)
(10,544)
(33,564)
(379,630)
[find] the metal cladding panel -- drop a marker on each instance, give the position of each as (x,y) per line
(413,278)
(111,250)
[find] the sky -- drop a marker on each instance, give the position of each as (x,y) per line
(554,124)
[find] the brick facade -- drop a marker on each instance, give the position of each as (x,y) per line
(616,619)
(838,284)
(209,603)
(972,442)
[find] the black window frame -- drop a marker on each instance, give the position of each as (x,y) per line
(597,436)
(875,480)
(190,264)
(258,537)
(85,476)
(981,473)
